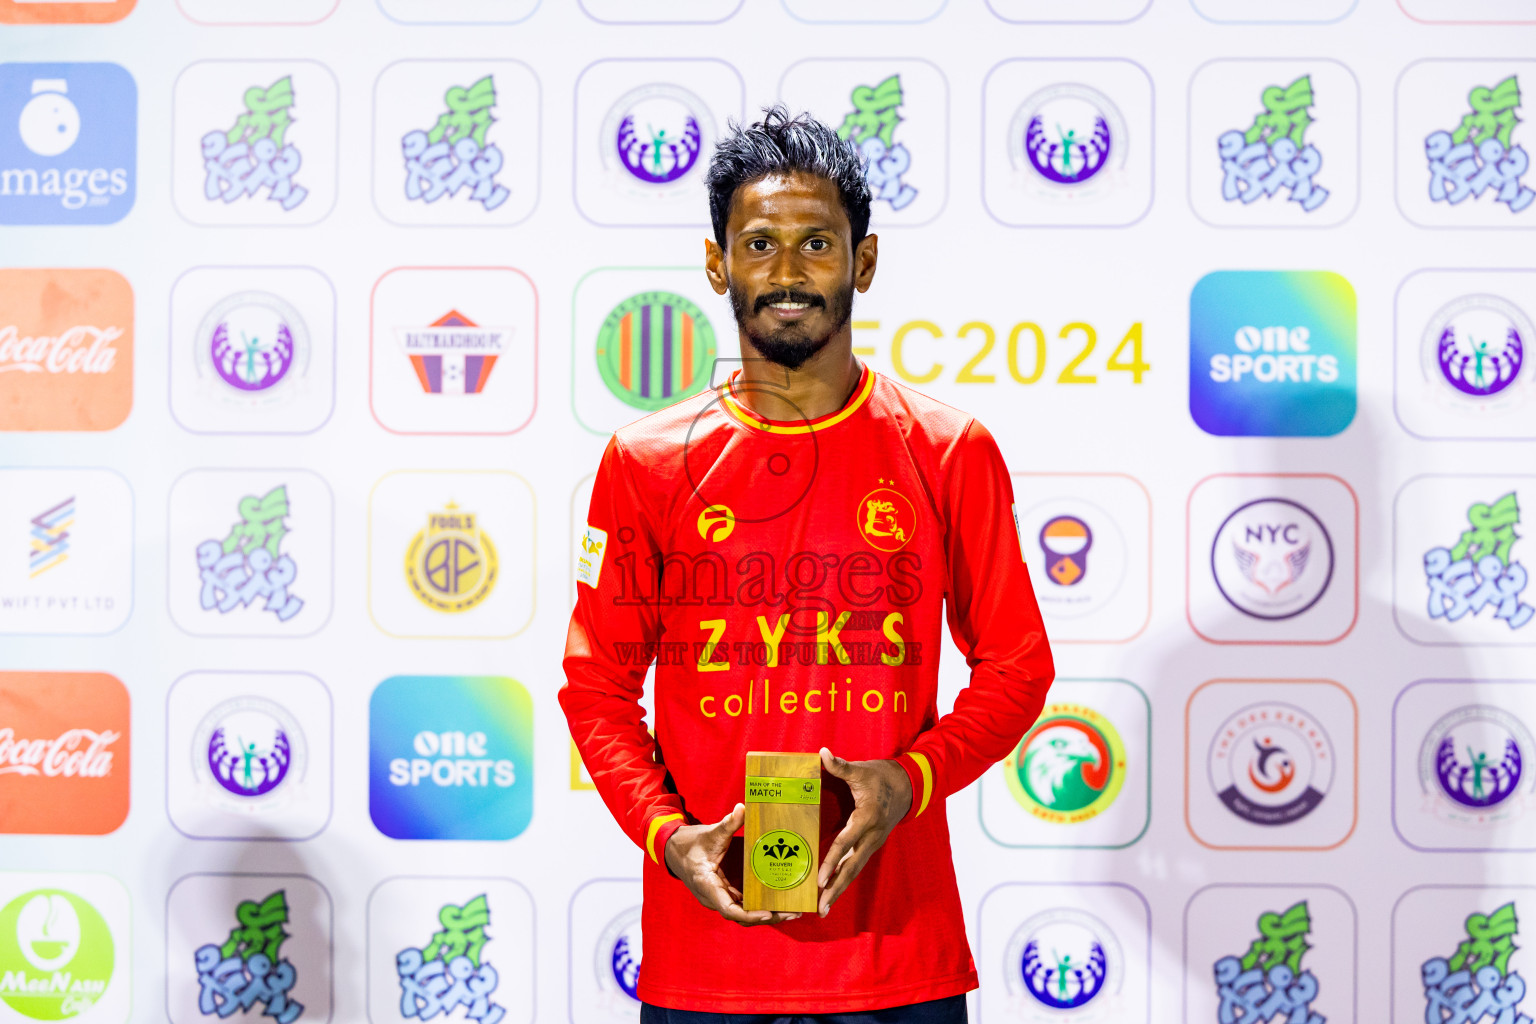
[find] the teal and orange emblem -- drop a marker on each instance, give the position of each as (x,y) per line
(1069,768)
(654,349)
(886,519)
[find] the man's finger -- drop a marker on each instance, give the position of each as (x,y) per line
(840,846)
(847,870)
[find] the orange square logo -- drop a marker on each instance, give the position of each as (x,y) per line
(66,349)
(63,753)
(41,12)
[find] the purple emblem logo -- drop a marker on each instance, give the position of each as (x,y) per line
(1475,757)
(1477,344)
(249,747)
(657,132)
(619,952)
(1069,133)
(252,340)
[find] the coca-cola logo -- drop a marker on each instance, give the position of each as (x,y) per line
(75,753)
(79,349)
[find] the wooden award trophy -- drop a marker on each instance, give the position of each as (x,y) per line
(782,832)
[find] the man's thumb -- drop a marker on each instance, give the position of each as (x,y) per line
(834,764)
(728,825)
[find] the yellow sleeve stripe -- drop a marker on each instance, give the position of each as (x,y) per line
(650,833)
(923,766)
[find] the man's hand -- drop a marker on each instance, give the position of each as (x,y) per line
(882,793)
(694,853)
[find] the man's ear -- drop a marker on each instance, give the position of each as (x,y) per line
(714,265)
(865,255)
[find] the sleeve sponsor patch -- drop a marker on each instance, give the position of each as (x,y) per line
(589,555)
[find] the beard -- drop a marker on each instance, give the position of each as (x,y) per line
(791,344)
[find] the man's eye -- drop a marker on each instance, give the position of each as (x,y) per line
(758,245)
(817,244)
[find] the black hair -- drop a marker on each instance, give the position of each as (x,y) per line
(779,143)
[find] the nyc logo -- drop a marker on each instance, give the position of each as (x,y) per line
(68,143)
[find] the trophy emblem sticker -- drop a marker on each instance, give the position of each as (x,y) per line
(781,859)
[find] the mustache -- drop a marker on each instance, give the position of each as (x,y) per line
(790,295)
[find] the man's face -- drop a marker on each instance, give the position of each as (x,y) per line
(790,265)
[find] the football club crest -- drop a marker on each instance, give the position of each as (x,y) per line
(617,961)
(654,135)
(1271,764)
(886,519)
(1475,346)
(1474,765)
(1065,136)
(1069,767)
(1272,558)
(247,750)
(1063,960)
(454,355)
(655,349)
(451,564)
(250,341)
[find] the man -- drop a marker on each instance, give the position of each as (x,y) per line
(783,547)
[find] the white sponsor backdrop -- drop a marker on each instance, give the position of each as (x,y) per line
(1269,703)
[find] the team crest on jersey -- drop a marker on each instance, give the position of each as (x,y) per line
(886,519)
(589,556)
(716,523)
(451,564)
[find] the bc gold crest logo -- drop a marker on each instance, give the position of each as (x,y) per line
(886,519)
(451,564)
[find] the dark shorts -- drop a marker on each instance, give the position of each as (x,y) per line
(937,1011)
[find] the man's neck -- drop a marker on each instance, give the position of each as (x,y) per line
(819,387)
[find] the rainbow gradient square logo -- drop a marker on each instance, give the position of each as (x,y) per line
(450,757)
(1272,353)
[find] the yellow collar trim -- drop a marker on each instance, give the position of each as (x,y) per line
(752,419)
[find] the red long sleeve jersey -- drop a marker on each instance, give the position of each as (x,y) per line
(788,579)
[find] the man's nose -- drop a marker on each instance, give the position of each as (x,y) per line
(787,269)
